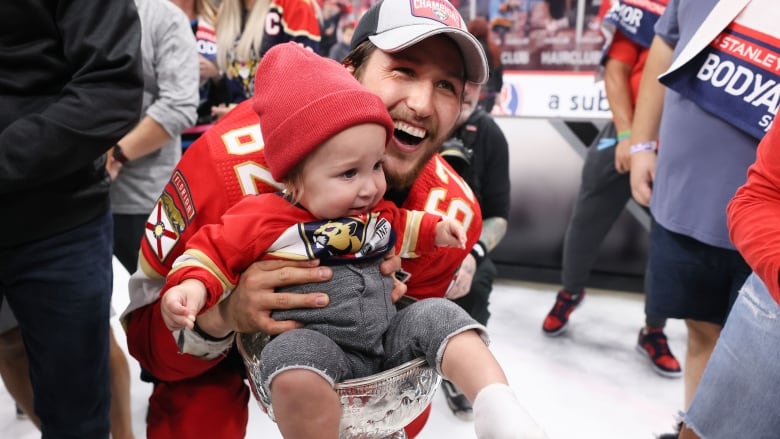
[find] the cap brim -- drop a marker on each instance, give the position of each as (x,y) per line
(395,40)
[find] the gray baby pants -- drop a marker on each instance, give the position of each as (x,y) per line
(360,332)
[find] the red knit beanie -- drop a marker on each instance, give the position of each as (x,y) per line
(304,99)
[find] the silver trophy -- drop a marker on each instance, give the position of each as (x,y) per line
(377,406)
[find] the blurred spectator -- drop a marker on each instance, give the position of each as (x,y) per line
(63,104)
(686,130)
(745,355)
(480,28)
(142,161)
(479,152)
(202,15)
(605,187)
(246,29)
(333,13)
(169,103)
(341,49)
(14,365)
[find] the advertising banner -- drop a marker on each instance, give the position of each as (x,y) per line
(568,95)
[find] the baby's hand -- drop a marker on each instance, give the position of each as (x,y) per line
(450,233)
(180,304)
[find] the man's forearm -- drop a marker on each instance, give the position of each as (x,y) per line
(650,101)
(493,231)
(618,88)
(148,136)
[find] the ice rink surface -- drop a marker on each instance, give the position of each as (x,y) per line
(589,383)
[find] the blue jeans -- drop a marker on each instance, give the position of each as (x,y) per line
(738,395)
(59,289)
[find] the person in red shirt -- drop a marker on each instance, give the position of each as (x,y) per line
(417,60)
(745,355)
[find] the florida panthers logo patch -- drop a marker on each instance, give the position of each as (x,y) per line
(164,227)
(342,238)
(339,237)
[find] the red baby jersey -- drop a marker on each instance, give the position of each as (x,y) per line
(268,226)
(226,163)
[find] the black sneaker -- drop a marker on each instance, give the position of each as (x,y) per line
(459,404)
(558,318)
(20,414)
(654,345)
(674,435)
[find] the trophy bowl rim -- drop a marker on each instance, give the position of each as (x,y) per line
(417,363)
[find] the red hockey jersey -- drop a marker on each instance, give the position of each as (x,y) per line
(227,163)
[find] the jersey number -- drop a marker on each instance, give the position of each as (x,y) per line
(243,141)
(458,209)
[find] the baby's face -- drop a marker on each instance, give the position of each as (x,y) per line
(344,176)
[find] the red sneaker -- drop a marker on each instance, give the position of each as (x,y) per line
(654,345)
(557,319)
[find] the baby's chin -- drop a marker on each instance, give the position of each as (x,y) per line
(357,212)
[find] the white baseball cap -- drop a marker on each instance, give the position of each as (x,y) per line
(394,25)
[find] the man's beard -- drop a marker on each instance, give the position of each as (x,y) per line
(403,181)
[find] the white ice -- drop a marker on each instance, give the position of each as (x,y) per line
(587,383)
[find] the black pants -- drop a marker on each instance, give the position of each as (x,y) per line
(128,231)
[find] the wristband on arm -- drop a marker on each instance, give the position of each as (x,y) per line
(198,343)
(208,337)
(623,135)
(643,146)
(479,251)
(119,155)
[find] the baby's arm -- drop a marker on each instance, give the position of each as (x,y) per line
(181,303)
(449,233)
(420,232)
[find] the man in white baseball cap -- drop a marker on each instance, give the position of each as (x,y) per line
(417,57)
(396,25)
